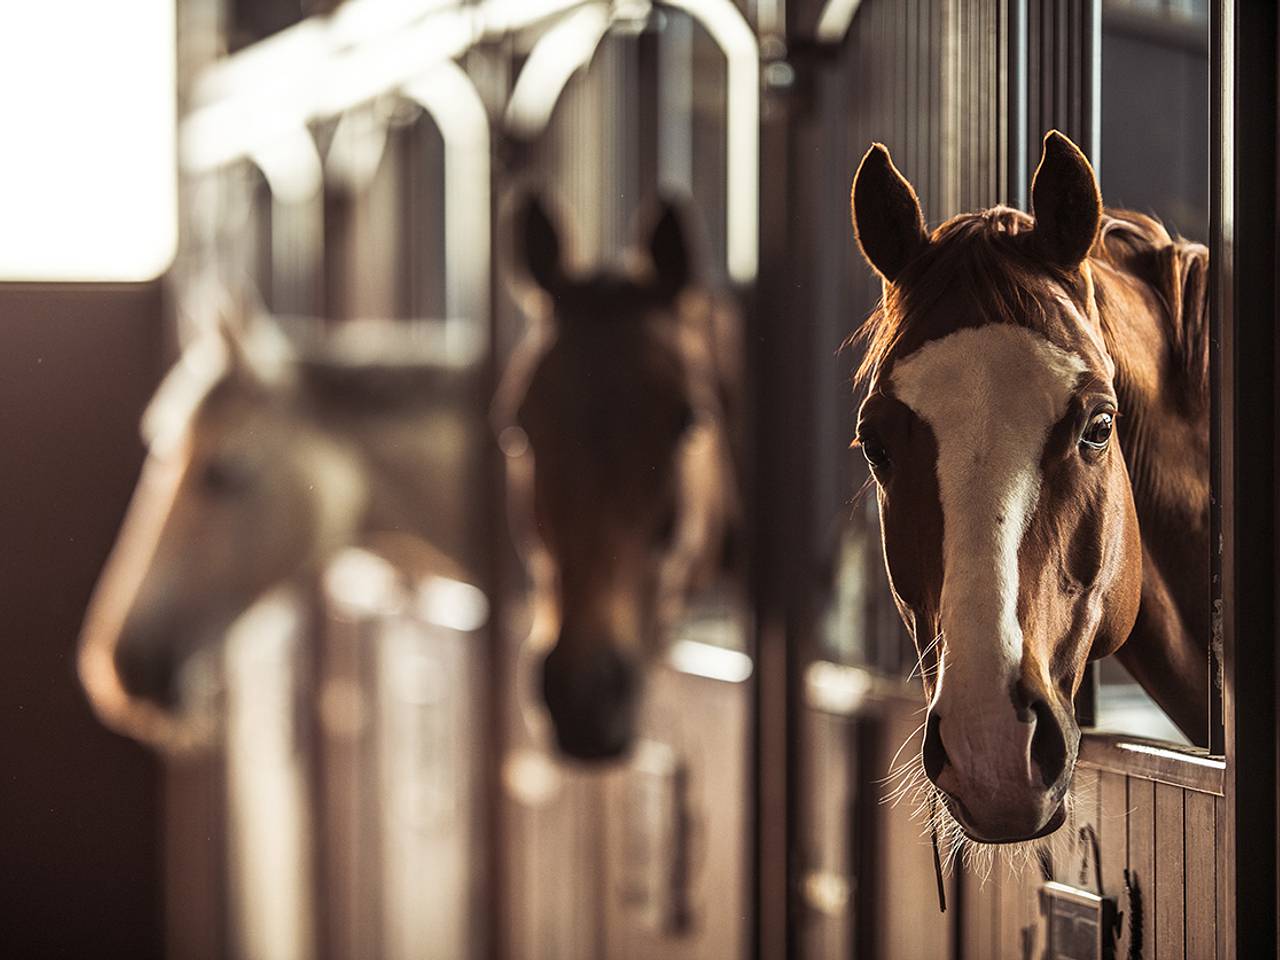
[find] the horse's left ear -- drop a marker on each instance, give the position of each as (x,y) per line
(538,250)
(1065,201)
(885,211)
(221,313)
(669,250)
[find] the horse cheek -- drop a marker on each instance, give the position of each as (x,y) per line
(907,540)
(1121,601)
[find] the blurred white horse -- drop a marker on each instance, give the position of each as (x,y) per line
(267,455)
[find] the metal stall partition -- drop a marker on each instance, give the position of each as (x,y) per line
(613,104)
(350,782)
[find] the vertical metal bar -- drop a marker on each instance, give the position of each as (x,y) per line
(1017,94)
(1059,29)
(648,88)
(1092,130)
(1245,220)
(950,132)
(1221,225)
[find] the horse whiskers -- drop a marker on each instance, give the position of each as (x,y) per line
(910,763)
(956,848)
(919,669)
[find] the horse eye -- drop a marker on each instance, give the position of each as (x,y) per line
(684,419)
(665,531)
(1098,431)
(874,451)
(226,476)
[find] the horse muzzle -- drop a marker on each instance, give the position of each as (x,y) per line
(591,696)
(1003,778)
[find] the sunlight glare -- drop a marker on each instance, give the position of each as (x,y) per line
(87,176)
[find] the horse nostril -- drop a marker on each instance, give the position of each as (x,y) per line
(1048,744)
(590,695)
(933,753)
(146,672)
(613,677)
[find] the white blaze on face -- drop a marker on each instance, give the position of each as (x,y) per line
(990,395)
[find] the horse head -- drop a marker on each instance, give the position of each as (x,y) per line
(1010,533)
(259,469)
(620,403)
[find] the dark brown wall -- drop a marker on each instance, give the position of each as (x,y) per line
(79,813)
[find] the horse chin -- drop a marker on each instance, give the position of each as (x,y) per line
(961,816)
(192,724)
(594,752)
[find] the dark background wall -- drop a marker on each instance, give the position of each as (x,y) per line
(80,825)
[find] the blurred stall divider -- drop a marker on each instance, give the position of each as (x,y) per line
(354,789)
(269,814)
(403,775)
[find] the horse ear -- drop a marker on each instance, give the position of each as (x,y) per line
(668,246)
(887,219)
(538,250)
(231,326)
(255,347)
(1065,202)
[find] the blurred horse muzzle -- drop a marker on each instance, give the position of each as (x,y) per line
(591,693)
(147,663)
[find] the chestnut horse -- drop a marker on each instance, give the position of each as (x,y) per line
(266,457)
(1036,422)
(623,398)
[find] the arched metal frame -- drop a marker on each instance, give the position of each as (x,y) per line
(570,45)
(237,124)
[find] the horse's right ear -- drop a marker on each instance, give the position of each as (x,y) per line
(669,249)
(887,219)
(1065,202)
(537,244)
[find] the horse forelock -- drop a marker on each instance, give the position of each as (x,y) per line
(612,355)
(983,269)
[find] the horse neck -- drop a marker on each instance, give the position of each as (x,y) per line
(1165,437)
(720,353)
(409,479)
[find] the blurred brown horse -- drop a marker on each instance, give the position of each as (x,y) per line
(1036,421)
(265,458)
(626,392)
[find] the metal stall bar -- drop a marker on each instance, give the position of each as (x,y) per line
(1019,177)
(294,174)
(1244,166)
(450,99)
(272,857)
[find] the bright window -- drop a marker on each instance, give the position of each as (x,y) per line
(87,160)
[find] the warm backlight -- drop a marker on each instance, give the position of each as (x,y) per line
(87,168)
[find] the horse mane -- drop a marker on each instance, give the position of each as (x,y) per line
(983,260)
(1177,272)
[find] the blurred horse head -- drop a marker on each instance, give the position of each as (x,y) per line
(265,458)
(1005,351)
(622,399)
